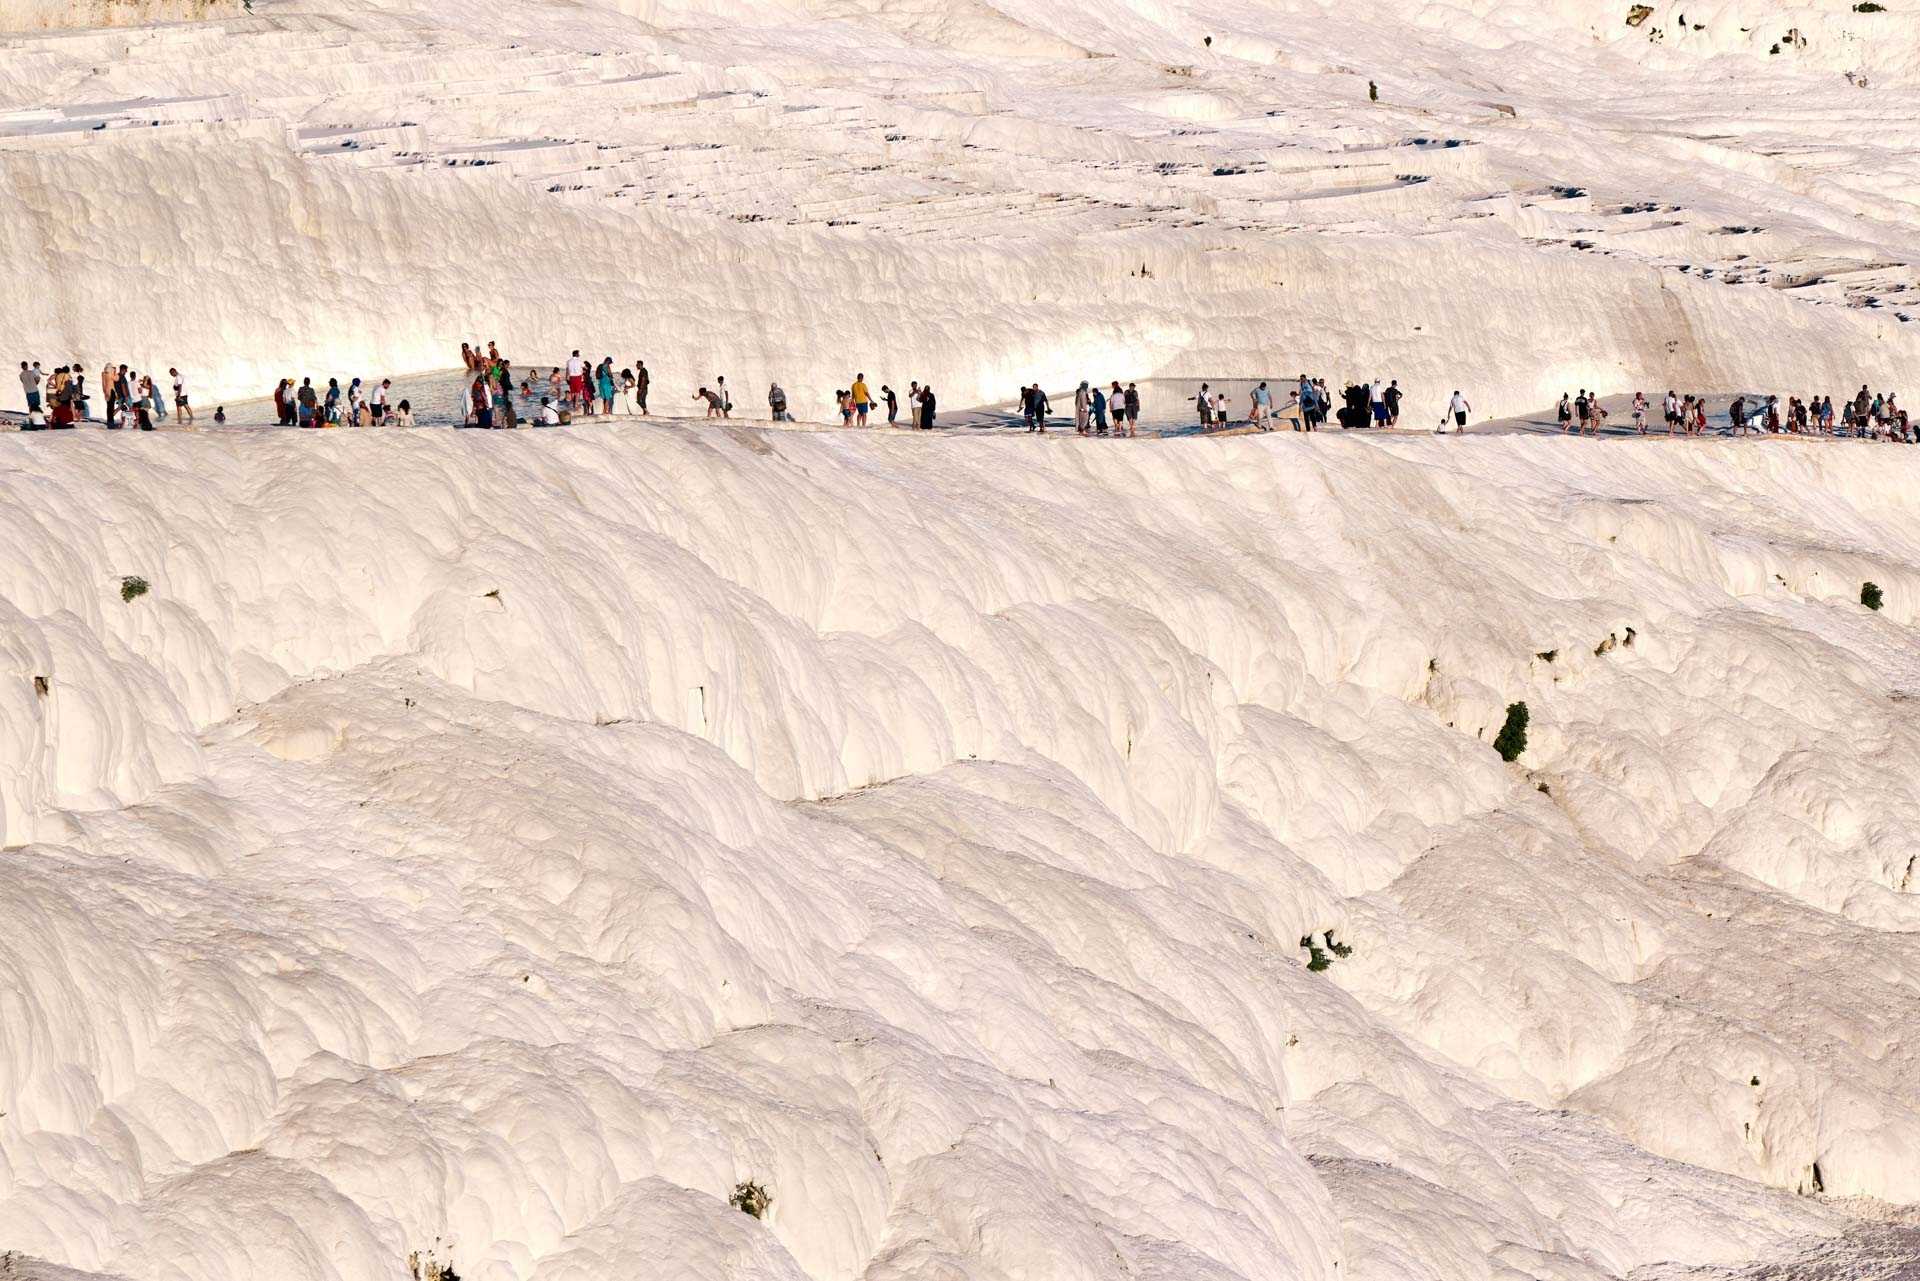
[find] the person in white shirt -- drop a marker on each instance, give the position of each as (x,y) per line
(30,380)
(576,380)
(549,416)
(182,411)
(379,402)
(1459,408)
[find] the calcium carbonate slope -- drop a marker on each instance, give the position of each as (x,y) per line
(495,850)
(502,847)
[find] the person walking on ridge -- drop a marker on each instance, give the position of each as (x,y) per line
(862,398)
(143,405)
(482,402)
(576,380)
(504,414)
(116,390)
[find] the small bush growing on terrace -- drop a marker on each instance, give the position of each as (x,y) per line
(751,1198)
(1512,739)
(1870,595)
(428,1268)
(132,587)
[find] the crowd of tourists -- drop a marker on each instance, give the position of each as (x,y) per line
(493,395)
(357,406)
(1867,416)
(580,388)
(134,400)
(1093,407)
(1308,406)
(1113,410)
(857,404)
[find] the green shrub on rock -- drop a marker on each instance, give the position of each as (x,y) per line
(1512,739)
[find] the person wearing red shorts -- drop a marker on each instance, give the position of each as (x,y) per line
(576,380)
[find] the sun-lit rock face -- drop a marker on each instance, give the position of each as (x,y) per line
(980,859)
(975,194)
(501,849)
